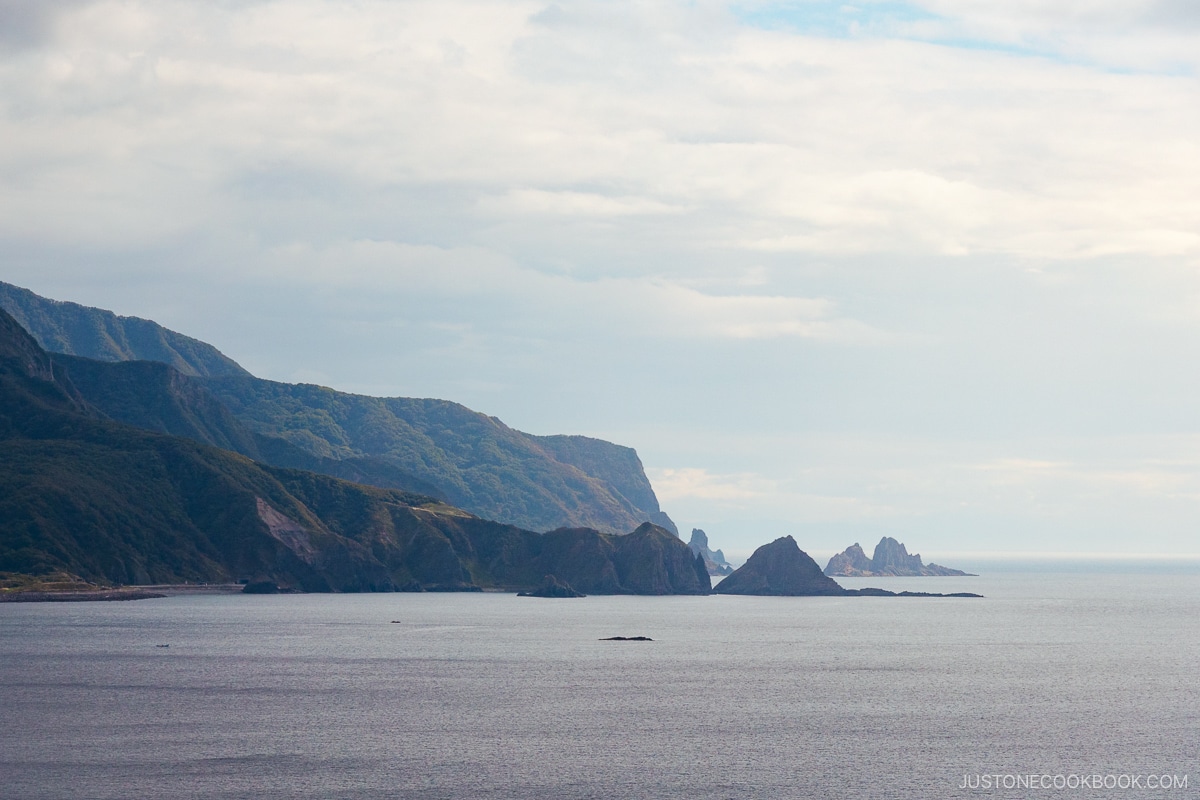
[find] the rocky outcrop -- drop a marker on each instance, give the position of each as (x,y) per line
(552,587)
(890,559)
(714,560)
(650,560)
(850,562)
(779,568)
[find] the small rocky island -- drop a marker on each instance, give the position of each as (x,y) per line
(891,559)
(782,569)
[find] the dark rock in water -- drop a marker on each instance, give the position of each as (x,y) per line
(552,587)
(870,591)
(779,568)
(891,558)
(627,639)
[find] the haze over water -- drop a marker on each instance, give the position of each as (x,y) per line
(494,696)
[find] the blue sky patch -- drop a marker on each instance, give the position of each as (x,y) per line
(831,19)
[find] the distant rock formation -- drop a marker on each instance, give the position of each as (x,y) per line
(714,560)
(869,592)
(891,559)
(552,587)
(850,562)
(779,568)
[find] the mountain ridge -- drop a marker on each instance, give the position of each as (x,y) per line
(436,447)
(112,503)
(72,329)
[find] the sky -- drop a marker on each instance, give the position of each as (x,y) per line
(921,269)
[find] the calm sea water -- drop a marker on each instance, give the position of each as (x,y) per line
(495,696)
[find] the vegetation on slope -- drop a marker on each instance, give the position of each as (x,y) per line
(476,461)
(429,446)
(110,503)
(73,329)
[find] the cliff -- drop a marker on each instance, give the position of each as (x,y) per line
(434,447)
(111,503)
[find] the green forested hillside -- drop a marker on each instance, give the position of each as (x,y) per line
(82,494)
(155,397)
(434,447)
(477,462)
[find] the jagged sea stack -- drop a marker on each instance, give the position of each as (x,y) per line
(850,562)
(779,568)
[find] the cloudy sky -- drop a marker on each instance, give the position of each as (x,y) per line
(925,269)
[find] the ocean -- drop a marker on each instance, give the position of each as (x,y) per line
(1052,686)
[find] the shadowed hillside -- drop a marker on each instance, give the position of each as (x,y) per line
(435,447)
(111,503)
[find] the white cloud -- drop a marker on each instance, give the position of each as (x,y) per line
(677,484)
(520,298)
(738,138)
(626,215)
(565,203)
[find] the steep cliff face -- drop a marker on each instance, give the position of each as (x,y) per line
(891,558)
(779,568)
(618,466)
(20,353)
(431,446)
(116,504)
(476,462)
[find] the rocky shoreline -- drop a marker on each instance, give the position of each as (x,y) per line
(79,597)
